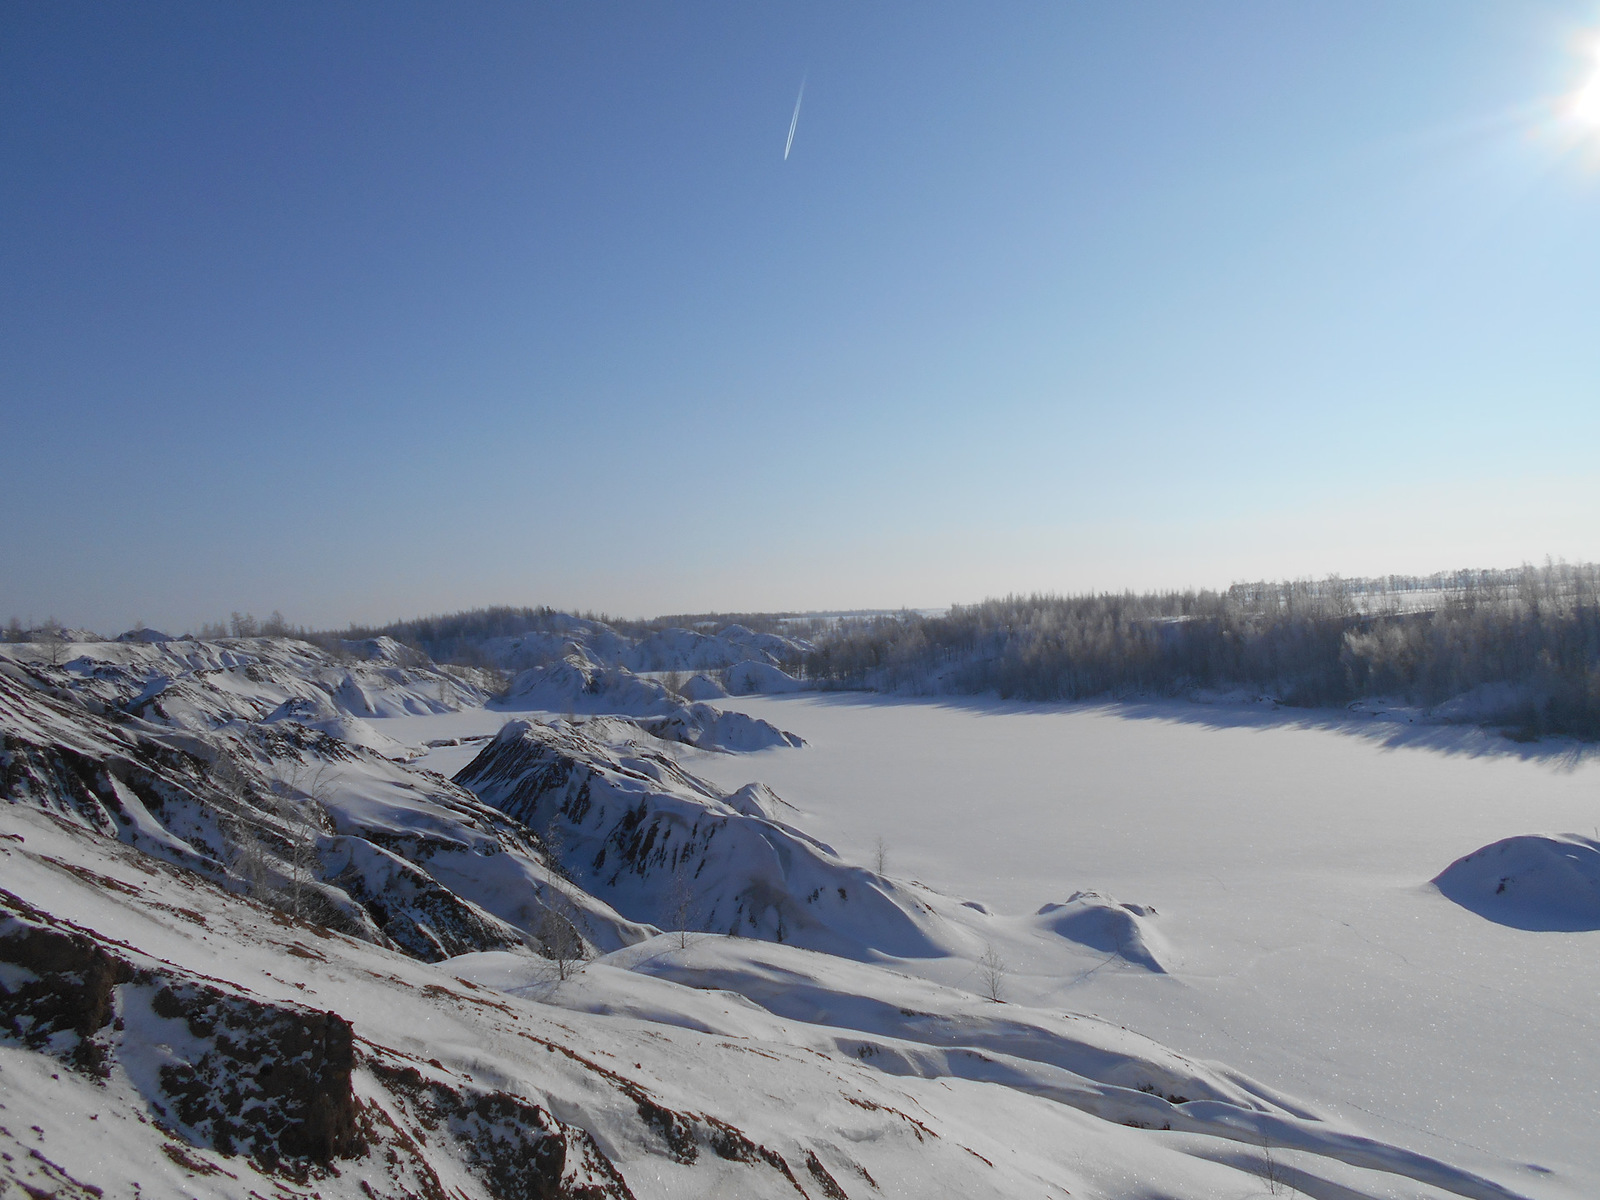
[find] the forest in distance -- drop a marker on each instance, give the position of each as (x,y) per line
(1526,640)
(1522,645)
(1518,648)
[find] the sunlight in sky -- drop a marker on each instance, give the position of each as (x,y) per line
(1586,102)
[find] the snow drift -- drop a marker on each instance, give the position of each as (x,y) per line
(1535,881)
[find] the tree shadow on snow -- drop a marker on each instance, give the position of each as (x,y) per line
(1390,730)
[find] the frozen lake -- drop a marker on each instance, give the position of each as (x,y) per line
(1289,860)
(1288,856)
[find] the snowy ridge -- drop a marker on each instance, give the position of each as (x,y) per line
(205,685)
(396,856)
(561,635)
(670,849)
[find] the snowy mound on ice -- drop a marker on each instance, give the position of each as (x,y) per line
(1101,923)
(703,687)
(708,728)
(577,685)
(1535,881)
(755,678)
(664,847)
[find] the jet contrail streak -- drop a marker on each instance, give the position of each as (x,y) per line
(794,121)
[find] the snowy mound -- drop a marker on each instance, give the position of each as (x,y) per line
(708,728)
(554,636)
(1545,882)
(144,635)
(321,714)
(755,678)
(703,687)
(690,650)
(578,685)
(1101,923)
(664,847)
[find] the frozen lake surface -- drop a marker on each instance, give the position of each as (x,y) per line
(1288,857)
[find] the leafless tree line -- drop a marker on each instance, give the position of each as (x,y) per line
(1308,642)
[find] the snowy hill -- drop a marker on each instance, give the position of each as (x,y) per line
(670,849)
(243,954)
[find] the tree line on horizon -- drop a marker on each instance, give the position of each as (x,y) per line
(1312,643)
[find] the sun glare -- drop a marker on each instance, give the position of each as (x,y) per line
(1586,101)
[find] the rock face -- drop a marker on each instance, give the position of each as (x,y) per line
(1535,881)
(284,1085)
(240,1076)
(665,847)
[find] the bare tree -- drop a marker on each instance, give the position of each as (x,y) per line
(680,899)
(559,939)
(673,682)
(555,846)
(53,639)
(299,807)
(992,974)
(14,631)
(880,856)
(1273,1173)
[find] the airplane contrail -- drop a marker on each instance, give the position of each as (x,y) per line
(794,121)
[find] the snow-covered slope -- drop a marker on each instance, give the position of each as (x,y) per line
(576,685)
(759,678)
(277,809)
(668,848)
(244,955)
(161,1037)
(561,635)
(205,685)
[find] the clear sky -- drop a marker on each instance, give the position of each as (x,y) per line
(360,311)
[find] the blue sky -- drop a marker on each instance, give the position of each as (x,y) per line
(360,311)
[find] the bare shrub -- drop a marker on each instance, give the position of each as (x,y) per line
(559,939)
(992,972)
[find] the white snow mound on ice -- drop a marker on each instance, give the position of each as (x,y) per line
(1533,881)
(578,685)
(703,687)
(756,678)
(709,728)
(1101,923)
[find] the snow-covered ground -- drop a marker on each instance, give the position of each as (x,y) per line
(1288,858)
(1211,922)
